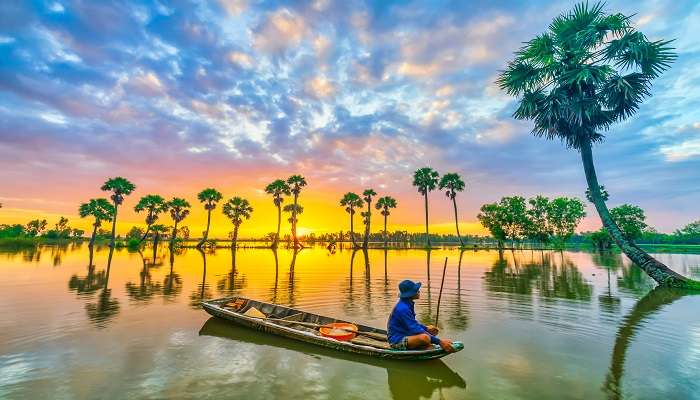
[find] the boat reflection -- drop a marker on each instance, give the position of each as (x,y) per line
(407,380)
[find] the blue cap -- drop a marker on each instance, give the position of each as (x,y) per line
(408,288)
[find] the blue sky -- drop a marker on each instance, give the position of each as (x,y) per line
(182,94)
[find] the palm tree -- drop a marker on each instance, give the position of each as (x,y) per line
(296,182)
(294,210)
(426,180)
(101,210)
(351,200)
(236,209)
(158,230)
(452,183)
(154,205)
(384,204)
(179,210)
(367,197)
(209,197)
(588,71)
(119,187)
(278,188)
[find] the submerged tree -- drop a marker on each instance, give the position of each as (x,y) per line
(295,182)
(209,197)
(538,227)
(153,204)
(452,183)
(426,180)
(179,210)
(587,72)
(294,210)
(237,209)
(119,187)
(277,189)
(367,196)
(563,216)
(351,201)
(630,219)
(384,204)
(101,210)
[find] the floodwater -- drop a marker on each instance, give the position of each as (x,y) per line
(536,325)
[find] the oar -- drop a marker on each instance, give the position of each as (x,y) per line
(437,313)
(373,335)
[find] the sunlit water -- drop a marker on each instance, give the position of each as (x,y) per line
(536,325)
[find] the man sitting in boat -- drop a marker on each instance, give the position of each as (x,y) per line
(404,332)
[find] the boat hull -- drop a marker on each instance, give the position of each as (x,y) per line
(216,309)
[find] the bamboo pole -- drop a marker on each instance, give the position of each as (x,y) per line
(442,283)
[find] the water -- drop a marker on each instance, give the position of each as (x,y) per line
(536,325)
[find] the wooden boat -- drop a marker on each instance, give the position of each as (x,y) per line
(295,324)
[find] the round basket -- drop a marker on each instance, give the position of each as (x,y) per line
(342,331)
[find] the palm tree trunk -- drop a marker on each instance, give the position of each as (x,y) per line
(294,222)
(659,272)
(352,229)
(385,233)
(94,234)
(174,235)
(427,233)
(454,203)
(145,234)
(365,241)
(279,223)
(235,236)
(114,225)
(206,233)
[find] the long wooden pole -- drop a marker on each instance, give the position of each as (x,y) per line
(437,313)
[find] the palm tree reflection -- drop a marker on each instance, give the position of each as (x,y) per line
(106,307)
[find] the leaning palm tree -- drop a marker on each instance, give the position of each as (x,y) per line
(153,205)
(384,204)
(426,180)
(587,72)
(209,197)
(179,210)
(296,182)
(237,209)
(350,201)
(277,189)
(294,210)
(119,187)
(101,210)
(367,197)
(452,183)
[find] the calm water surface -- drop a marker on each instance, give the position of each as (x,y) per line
(536,325)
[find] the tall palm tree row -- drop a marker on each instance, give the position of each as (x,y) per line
(384,204)
(101,210)
(295,182)
(179,210)
(425,180)
(209,197)
(367,196)
(452,183)
(119,187)
(278,188)
(351,201)
(153,204)
(237,209)
(588,71)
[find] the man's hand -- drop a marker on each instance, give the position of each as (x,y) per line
(447,345)
(432,329)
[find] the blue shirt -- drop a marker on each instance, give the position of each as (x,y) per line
(402,323)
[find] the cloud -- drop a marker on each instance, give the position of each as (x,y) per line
(281,30)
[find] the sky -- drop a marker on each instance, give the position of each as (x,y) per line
(178,96)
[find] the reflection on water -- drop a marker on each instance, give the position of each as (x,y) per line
(536,324)
(431,376)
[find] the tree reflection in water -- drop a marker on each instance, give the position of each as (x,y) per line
(552,281)
(645,308)
(146,288)
(106,307)
(611,262)
(172,284)
(202,292)
(458,314)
